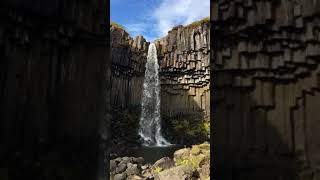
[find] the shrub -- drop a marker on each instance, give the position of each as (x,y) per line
(191,127)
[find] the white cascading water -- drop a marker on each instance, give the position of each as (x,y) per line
(150,120)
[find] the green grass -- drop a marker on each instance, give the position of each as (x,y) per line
(157,170)
(197,23)
(117,25)
(195,150)
(190,127)
(193,161)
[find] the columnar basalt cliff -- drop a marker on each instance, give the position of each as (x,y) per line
(128,58)
(267,89)
(52,87)
(185,72)
(184,64)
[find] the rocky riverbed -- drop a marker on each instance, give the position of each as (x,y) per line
(192,163)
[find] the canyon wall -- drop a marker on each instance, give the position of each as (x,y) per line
(53,57)
(266,84)
(184,58)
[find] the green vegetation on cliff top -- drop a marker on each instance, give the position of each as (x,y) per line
(112,23)
(197,23)
(194,24)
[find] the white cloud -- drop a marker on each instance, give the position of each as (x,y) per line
(136,29)
(171,13)
(144,29)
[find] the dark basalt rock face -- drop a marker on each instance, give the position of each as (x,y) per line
(128,58)
(185,72)
(266,84)
(183,56)
(184,69)
(52,87)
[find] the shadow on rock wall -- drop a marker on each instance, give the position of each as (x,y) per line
(52,89)
(185,107)
(183,120)
(246,142)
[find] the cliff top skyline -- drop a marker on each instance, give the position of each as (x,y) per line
(154,18)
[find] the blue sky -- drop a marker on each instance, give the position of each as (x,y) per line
(153,18)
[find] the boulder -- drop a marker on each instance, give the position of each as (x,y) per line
(204,171)
(120,168)
(121,176)
(133,170)
(113,165)
(181,154)
(163,163)
(138,160)
(176,173)
(134,177)
(127,160)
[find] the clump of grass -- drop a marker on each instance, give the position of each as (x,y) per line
(204,146)
(182,162)
(157,170)
(193,24)
(193,161)
(112,23)
(195,150)
(197,23)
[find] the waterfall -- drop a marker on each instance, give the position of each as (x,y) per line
(150,120)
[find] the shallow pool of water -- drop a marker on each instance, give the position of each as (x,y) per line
(152,154)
